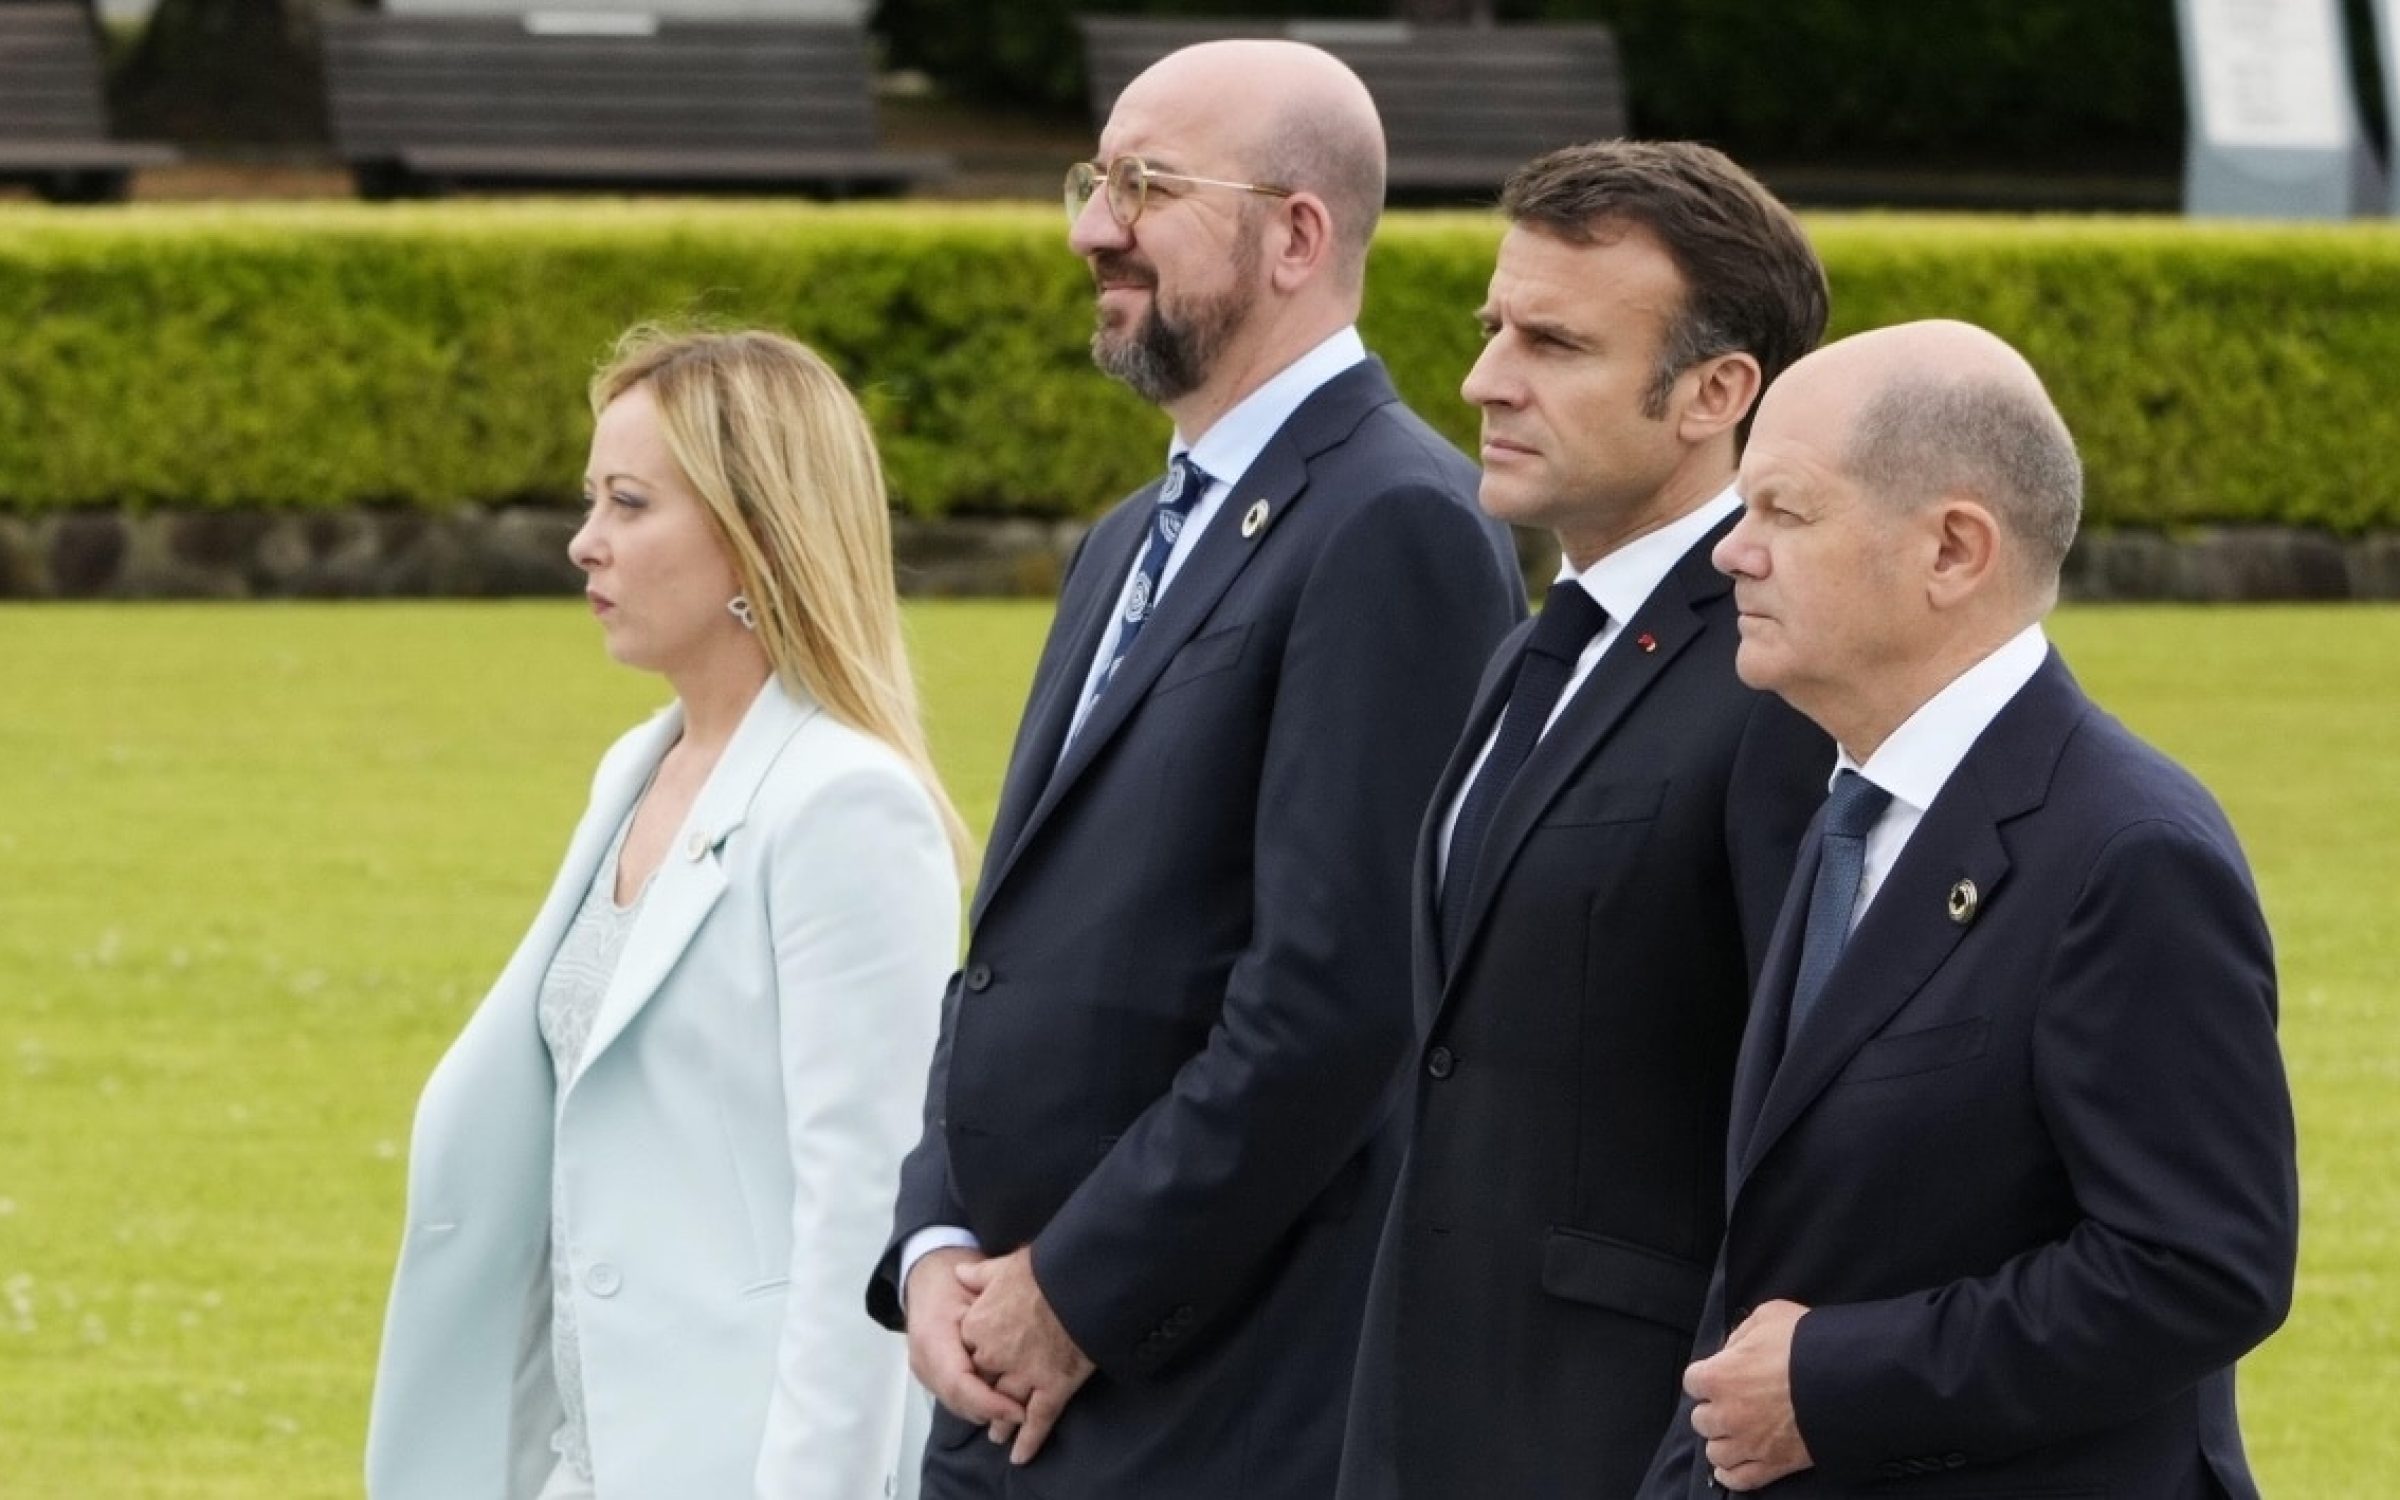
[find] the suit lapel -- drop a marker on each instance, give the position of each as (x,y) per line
(1279,479)
(1425,925)
(1907,931)
(1669,621)
(1083,619)
(621,779)
(1762,1038)
(691,877)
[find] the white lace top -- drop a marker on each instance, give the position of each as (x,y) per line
(578,978)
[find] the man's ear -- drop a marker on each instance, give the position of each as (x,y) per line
(1967,551)
(1719,392)
(1302,243)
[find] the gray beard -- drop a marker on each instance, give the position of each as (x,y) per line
(1161,359)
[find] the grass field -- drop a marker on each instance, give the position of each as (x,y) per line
(257,863)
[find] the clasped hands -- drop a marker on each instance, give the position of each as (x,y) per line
(983,1339)
(1744,1394)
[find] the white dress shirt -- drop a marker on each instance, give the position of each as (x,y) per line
(1916,760)
(1622,583)
(1224,453)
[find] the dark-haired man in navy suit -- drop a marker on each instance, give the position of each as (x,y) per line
(2011,1180)
(1604,856)
(1133,1242)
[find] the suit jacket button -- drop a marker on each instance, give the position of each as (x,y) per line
(1439,1063)
(979,978)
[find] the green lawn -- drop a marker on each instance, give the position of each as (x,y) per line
(257,862)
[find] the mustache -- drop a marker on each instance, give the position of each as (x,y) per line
(1117,265)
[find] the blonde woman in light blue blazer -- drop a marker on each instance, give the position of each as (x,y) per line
(646,1180)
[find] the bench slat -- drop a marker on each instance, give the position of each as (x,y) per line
(53,121)
(1462,106)
(484,98)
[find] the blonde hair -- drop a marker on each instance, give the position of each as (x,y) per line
(776,447)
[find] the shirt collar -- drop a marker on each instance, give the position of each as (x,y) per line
(1624,580)
(1227,450)
(1916,759)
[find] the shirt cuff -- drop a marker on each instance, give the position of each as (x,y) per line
(923,1243)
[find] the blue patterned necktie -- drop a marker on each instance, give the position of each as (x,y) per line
(1177,494)
(1570,618)
(1850,814)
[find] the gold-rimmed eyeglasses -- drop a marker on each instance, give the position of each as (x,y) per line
(1128,180)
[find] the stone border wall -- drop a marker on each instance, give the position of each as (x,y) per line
(515,551)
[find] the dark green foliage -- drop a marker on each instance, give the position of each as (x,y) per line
(1900,83)
(1026,54)
(436,354)
(2068,84)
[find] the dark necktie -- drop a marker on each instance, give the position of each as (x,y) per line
(1570,618)
(1850,814)
(1177,494)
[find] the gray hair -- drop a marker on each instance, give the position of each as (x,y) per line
(2004,445)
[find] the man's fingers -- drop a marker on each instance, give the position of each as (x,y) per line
(1699,1380)
(951,1377)
(974,1401)
(1041,1413)
(1001,1432)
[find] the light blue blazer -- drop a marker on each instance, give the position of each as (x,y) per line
(730,1148)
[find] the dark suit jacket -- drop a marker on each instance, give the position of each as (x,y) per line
(1543,1268)
(2033,1171)
(1171,1056)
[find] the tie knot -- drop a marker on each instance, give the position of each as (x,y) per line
(1570,618)
(1185,483)
(1856,803)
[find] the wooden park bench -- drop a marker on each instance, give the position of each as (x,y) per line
(427,104)
(1462,106)
(53,125)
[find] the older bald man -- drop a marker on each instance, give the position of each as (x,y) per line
(2011,1163)
(1134,1241)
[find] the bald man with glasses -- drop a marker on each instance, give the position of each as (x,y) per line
(1132,1246)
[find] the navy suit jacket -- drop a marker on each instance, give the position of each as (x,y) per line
(1170,1059)
(2030,1162)
(1542,1273)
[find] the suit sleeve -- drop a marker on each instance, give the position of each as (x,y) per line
(863,896)
(2157,1074)
(926,1200)
(1390,633)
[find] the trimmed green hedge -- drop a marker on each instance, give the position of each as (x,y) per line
(436,354)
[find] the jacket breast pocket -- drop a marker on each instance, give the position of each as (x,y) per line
(1606,802)
(1215,652)
(1625,1278)
(1906,1053)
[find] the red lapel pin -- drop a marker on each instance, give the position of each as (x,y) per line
(1646,641)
